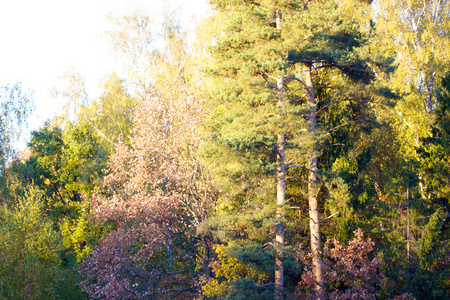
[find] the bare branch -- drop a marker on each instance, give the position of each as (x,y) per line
(299,80)
(276,150)
(323,86)
(269,84)
(331,145)
(329,217)
(268,244)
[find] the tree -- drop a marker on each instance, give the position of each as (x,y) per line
(155,51)
(63,165)
(350,272)
(15,106)
(282,69)
(133,37)
(434,152)
(30,265)
(432,238)
(155,195)
(416,31)
(110,115)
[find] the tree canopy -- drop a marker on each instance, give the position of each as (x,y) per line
(290,150)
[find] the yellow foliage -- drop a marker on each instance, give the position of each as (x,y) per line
(227,270)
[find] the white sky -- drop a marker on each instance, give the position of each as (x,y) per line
(42,39)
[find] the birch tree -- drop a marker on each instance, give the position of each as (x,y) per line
(16,104)
(416,32)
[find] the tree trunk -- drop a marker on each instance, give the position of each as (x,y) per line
(313,191)
(428,77)
(207,259)
(281,183)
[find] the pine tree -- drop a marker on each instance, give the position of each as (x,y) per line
(282,66)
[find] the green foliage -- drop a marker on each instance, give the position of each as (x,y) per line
(434,155)
(80,235)
(256,48)
(30,264)
(63,163)
(112,114)
(231,274)
(246,272)
(380,135)
(429,242)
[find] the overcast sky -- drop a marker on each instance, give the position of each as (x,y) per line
(42,39)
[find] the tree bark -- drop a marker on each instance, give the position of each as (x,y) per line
(281,195)
(313,191)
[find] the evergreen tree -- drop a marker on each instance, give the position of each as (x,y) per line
(282,68)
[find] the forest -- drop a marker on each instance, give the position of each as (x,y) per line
(283,150)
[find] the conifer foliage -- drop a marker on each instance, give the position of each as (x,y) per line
(237,167)
(284,69)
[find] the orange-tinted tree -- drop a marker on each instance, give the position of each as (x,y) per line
(352,271)
(155,195)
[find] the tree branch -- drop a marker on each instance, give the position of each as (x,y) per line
(295,178)
(331,145)
(269,84)
(299,80)
(342,68)
(276,150)
(269,284)
(342,100)
(268,244)
(98,130)
(324,66)
(354,69)
(329,217)
(323,86)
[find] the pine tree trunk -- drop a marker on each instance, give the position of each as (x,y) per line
(313,191)
(281,183)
